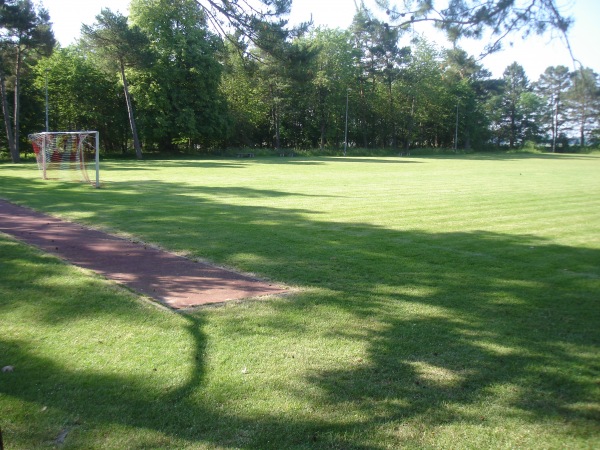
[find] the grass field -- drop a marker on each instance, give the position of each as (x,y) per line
(442,302)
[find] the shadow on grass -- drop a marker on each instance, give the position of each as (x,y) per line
(450,323)
(149,165)
(509,156)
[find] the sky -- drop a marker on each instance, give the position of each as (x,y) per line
(535,53)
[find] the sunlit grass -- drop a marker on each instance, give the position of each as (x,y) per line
(443,302)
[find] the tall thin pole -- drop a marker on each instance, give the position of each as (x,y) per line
(456,131)
(47,101)
(346,132)
(44,159)
(97,159)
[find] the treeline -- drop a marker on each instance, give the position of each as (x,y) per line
(161,80)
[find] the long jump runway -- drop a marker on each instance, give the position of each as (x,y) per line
(173,280)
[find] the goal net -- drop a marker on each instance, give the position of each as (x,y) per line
(72,154)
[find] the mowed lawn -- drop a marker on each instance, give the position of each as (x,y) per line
(436,302)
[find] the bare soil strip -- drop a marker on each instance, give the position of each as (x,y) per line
(173,280)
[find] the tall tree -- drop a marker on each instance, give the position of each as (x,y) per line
(583,102)
(82,97)
(390,60)
(180,91)
(467,81)
(335,74)
(364,33)
(244,91)
(120,44)
(6,114)
(24,31)
(429,106)
(287,79)
(516,85)
(552,86)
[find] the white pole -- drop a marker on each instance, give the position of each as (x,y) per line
(47,101)
(97,159)
(43,150)
(456,131)
(346,132)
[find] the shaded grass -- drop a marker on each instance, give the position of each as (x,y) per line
(447,302)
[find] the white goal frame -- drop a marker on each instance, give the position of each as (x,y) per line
(44,162)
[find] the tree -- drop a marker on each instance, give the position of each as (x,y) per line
(287,80)
(379,62)
(473,18)
(583,102)
(513,118)
(467,81)
(389,61)
(552,86)
(301,68)
(6,113)
(256,24)
(244,91)
(429,107)
(180,91)
(362,34)
(530,105)
(23,31)
(81,96)
(118,43)
(335,74)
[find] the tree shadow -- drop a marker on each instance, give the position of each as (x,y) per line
(149,164)
(446,320)
(504,156)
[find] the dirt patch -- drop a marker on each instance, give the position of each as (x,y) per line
(173,280)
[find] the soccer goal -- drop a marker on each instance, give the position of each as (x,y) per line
(68,152)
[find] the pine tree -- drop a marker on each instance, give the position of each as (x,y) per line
(583,102)
(24,30)
(122,45)
(552,86)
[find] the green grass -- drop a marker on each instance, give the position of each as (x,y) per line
(443,302)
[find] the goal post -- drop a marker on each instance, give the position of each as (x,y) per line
(68,152)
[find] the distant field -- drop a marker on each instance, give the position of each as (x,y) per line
(442,302)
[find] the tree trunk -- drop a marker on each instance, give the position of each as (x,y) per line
(136,141)
(17,106)
(363,118)
(392,116)
(555,126)
(323,119)
(409,128)
(9,132)
(513,129)
(581,113)
(275,117)
(277,136)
